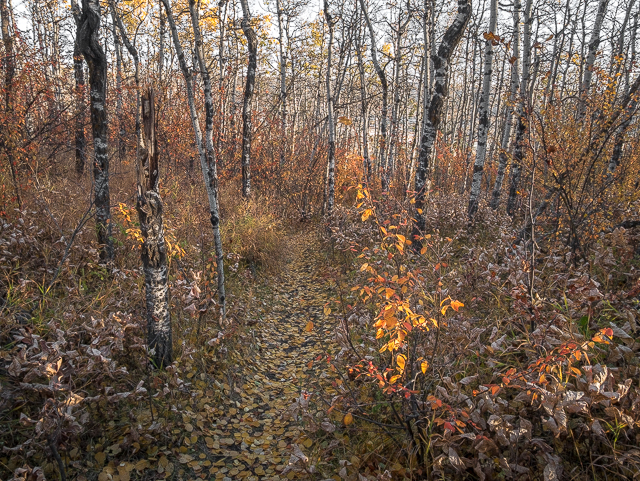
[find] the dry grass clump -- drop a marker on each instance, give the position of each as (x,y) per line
(252,233)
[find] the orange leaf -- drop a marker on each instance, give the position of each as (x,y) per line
(455,305)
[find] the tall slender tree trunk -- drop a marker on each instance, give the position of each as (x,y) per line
(89,42)
(212,172)
(365,112)
(283,86)
(222,138)
(594,43)
(78,73)
(382,142)
(433,114)
(133,51)
(523,106)
(330,187)
(117,47)
(9,64)
(154,251)
(252,45)
(207,162)
(506,133)
(483,124)
(397,64)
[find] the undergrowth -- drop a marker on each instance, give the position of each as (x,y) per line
(471,353)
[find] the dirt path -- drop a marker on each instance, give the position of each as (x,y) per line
(259,433)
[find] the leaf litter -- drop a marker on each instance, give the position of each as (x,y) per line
(223,410)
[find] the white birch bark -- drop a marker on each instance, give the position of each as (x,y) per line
(594,43)
(252,45)
(382,144)
(506,133)
(518,152)
(207,157)
(283,85)
(331,155)
(433,115)
(483,124)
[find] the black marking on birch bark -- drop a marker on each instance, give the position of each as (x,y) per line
(78,74)
(483,124)
(252,45)
(89,42)
(434,112)
(207,157)
(506,134)
(331,160)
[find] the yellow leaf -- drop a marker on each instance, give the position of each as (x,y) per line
(327,310)
(348,419)
(366,214)
(309,327)
(424,366)
(401,361)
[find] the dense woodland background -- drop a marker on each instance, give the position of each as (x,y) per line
(462,180)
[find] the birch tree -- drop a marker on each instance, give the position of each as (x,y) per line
(89,41)
(9,62)
(331,154)
(523,106)
(382,143)
(283,83)
(79,91)
(483,124)
(364,104)
(433,114)
(506,133)
(252,47)
(594,43)
(206,154)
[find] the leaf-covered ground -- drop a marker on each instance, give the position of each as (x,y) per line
(256,432)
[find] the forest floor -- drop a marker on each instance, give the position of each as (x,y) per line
(257,434)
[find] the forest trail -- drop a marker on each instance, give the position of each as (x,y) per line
(258,433)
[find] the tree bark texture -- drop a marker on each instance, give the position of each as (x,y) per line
(78,73)
(89,42)
(9,64)
(252,45)
(382,142)
(207,162)
(594,43)
(523,105)
(331,155)
(433,115)
(483,123)
(211,176)
(283,85)
(365,112)
(154,251)
(506,133)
